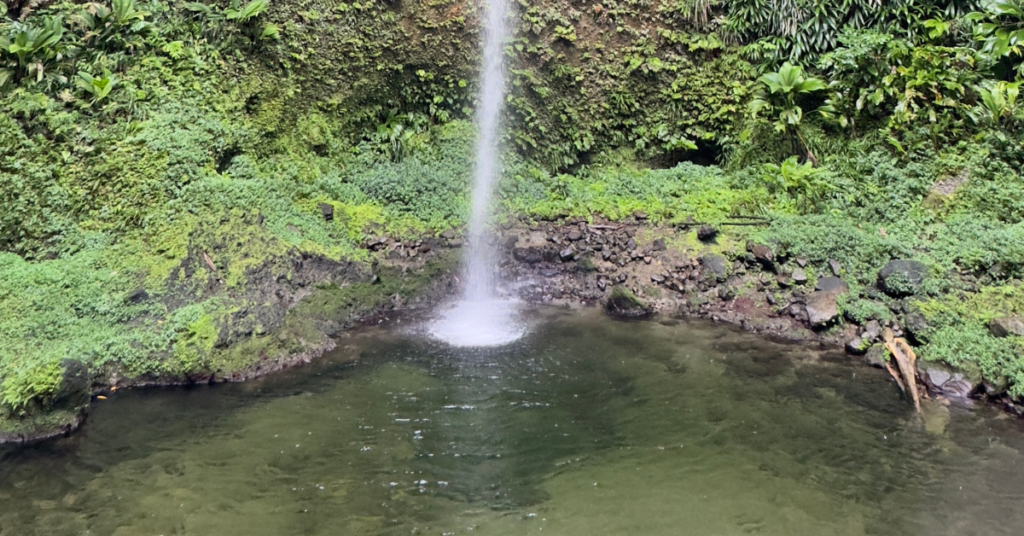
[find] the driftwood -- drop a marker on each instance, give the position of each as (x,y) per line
(906,361)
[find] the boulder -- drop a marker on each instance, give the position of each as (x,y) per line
(566,255)
(875,356)
(1006,326)
(901,277)
(726,292)
(822,308)
(716,266)
(872,330)
(940,379)
(799,276)
(327,210)
(836,268)
(832,284)
(858,345)
(763,254)
(706,233)
(622,303)
(527,255)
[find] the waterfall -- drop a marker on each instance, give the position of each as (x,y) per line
(480,317)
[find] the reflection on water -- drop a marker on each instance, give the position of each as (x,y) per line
(585,426)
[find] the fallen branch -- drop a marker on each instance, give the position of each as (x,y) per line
(905,359)
(212,267)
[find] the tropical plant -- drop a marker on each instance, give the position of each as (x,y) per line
(779,102)
(244,18)
(999,105)
(97,87)
(1000,29)
(115,26)
(801,182)
(30,50)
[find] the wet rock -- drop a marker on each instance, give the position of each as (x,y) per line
(715,266)
(622,303)
(763,254)
(832,284)
(902,277)
(799,276)
(327,210)
(74,389)
(566,255)
(858,345)
(1005,326)
(943,380)
(527,255)
(706,233)
(875,356)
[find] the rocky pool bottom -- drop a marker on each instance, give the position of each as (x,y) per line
(585,426)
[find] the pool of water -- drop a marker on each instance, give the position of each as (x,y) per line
(585,426)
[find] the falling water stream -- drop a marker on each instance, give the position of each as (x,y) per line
(481,317)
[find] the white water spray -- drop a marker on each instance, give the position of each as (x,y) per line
(480,318)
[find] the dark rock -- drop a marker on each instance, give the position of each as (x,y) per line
(945,381)
(763,254)
(784,280)
(801,262)
(799,276)
(916,325)
(648,260)
(574,235)
(566,255)
(706,233)
(726,292)
(640,215)
(455,243)
(836,268)
(832,284)
(602,284)
(327,210)
(424,248)
(74,389)
(138,295)
(449,234)
(902,277)
(1005,326)
(715,266)
(858,346)
(770,298)
(622,303)
(631,244)
(658,244)
(875,356)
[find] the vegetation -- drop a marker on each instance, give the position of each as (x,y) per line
(138,136)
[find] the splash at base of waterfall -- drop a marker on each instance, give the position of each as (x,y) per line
(491,322)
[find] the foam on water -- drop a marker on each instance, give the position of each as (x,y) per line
(479,323)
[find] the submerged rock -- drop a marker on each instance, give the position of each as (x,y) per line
(622,303)
(902,277)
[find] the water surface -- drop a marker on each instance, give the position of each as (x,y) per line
(585,426)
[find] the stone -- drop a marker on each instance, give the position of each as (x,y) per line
(872,330)
(715,266)
(763,254)
(658,278)
(327,210)
(823,307)
(574,235)
(784,280)
(916,325)
(602,284)
(832,284)
(726,292)
(449,234)
(74,389)
(658,244)
(622,303)
(138,295)
(901,277)
(527,255)
(835,267)
(706,233)
(1005,326)
(770,298)
(566,255)
(640,215)
(799,276)
(875,356)
(858,346)
(424,248)
(801,262)
(648,260)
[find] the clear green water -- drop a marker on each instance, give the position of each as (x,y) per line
(585,427)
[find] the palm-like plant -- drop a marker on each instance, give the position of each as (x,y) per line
(1000,29)
(778,99)
(30,50)
(1000,105)
(97,87)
